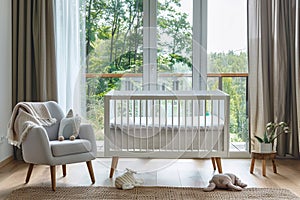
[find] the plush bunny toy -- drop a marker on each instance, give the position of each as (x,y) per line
(127,181)
(225,181)
(69,126)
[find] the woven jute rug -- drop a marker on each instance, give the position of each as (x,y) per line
(141,193)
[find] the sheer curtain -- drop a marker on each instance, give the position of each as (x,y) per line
(273,42)
(70,54)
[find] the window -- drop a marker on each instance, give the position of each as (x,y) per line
(168,45)
(227,55)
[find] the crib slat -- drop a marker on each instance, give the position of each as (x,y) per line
(122,133)
(211,123)
(198,125)
(218,128)
(192,113)
(159,125)
(147,127)
(185,126)
(153,123)
(115,122)
(134,136)
(179,134)
(205,125)
(127,118)
(166,125)
(140,138)
(172,118)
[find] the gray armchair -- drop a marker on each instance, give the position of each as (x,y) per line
(41,146)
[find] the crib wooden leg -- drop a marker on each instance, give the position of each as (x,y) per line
(218,161)
(114,163)
(213,162)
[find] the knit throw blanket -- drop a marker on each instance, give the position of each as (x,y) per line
(26,115)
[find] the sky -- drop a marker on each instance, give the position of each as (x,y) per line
(227,24)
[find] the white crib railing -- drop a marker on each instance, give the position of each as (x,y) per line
(166,124)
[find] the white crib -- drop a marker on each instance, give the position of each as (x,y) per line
(166,124)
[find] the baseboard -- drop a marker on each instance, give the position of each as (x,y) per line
(6,161)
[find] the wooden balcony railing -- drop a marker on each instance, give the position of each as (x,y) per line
(220,76)
(119,75)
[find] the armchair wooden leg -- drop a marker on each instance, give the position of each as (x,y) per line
(64,169)
(114,164)
(53,177)
(30,168)
(91,171)
(219,165)
(213,163)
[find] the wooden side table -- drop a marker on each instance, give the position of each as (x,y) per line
(263,157)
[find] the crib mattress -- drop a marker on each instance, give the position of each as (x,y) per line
(205,133)
(174,123)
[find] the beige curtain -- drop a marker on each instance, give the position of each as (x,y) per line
(273,42)
(34,68)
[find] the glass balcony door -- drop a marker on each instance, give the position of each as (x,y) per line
(168,45)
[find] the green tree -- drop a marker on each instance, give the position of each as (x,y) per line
(228,62)
(174,36)
(235,87)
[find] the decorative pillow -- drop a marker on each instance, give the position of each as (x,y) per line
(69,126)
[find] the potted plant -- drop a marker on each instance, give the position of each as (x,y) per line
(272,131)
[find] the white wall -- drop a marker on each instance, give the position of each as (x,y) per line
(5,76)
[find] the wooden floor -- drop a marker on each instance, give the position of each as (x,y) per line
(154,172)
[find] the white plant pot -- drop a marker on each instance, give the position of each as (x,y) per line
(265,147)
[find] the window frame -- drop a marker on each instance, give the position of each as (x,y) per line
(199,45)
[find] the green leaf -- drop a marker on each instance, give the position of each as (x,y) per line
(259,139)
(266,139)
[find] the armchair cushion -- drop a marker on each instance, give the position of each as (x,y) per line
(68,147)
